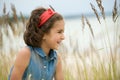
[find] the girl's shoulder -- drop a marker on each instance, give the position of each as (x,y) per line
(58,58)
(24,52)
(23,57)
(21,63)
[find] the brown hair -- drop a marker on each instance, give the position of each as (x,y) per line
(34,34)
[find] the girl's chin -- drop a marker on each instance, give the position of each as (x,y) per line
(56,48)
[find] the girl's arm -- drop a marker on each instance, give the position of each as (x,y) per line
(59,72)
(20,64)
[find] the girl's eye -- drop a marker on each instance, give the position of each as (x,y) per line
(60,31)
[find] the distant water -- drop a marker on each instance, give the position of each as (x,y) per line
(104,33)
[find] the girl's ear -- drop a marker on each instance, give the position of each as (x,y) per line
(43,37)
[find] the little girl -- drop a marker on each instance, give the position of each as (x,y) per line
(39,60)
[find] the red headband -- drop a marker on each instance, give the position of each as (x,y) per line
(45,16)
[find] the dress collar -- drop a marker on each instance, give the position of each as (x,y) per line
(39,51)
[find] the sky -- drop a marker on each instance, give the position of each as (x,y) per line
(65,7)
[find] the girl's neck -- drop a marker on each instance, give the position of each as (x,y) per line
(45,49)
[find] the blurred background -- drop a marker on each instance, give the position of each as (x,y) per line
(92,36)
(65,7)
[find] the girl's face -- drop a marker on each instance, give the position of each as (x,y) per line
(53,39)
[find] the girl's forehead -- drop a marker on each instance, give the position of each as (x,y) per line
(59,24)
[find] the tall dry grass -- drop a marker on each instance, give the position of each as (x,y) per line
(94,64)
(11,31)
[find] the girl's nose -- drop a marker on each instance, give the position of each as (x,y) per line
(63,37)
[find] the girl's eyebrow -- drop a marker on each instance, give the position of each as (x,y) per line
(61,30)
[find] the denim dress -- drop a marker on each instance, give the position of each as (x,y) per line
(41,67)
